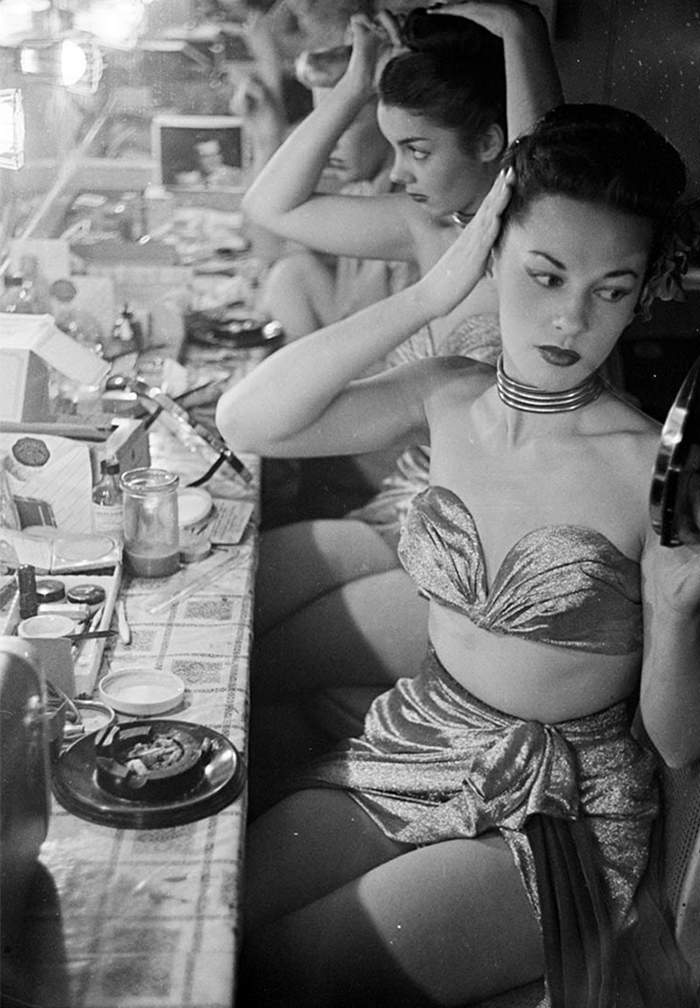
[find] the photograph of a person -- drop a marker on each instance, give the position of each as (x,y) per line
(198,152)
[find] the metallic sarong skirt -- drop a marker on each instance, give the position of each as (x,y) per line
(435,763)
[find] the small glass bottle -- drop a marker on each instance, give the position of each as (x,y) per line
(151,530)
(20,296)
(11,295)
(36,285)
(108,501)
(126,337)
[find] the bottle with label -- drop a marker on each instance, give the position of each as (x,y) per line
(107,501)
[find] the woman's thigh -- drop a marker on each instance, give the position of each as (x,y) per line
(300,562)
(443,924)
(306,846)
(300,291)
(368,632)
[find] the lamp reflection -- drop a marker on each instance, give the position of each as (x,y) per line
(74,61)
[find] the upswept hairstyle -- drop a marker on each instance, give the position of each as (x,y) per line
(610,156)
(453,72)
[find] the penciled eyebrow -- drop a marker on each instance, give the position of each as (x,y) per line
(561,266)
(414,139)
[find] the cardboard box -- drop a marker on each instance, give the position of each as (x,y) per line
(26,340)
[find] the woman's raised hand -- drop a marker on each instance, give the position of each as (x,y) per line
(496,16)
(257,106)
(458,271)
(374,42)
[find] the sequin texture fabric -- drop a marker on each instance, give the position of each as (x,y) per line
(562,584)
(434,763)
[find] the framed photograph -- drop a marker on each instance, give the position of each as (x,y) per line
(197,152)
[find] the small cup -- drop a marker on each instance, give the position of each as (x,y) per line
(48,635)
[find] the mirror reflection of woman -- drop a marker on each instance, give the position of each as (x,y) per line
(419,861)
(331,600)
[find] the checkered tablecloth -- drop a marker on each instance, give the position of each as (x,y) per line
(127,918)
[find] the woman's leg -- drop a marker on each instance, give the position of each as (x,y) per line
(311,675)
(338,915)
(300,292)
(368,632)
(333,608)
(332,611)
(300,562)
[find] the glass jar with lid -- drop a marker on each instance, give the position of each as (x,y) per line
(151,534)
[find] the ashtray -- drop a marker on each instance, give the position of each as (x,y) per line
(148,774)
(142,762)
(229,328)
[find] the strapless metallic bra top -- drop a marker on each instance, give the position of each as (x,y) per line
(562,584)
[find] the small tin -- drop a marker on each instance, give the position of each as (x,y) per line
(49,590)
(87,594)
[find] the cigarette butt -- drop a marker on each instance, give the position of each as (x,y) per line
(123,623)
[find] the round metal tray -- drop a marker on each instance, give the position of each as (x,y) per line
(75,787)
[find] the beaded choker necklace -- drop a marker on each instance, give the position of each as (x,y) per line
(533,400)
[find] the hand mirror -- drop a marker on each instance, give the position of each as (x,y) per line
(674,500)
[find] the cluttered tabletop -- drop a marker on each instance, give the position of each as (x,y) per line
(138,894)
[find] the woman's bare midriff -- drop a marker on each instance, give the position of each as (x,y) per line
(527,679)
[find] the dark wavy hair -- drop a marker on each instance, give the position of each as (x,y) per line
(453,72)
(600,154)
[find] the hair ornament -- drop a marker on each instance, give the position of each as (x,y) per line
(679,244)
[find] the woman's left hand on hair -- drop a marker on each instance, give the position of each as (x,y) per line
(459,270)
(496,16)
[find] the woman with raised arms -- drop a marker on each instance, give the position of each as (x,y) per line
(331,601)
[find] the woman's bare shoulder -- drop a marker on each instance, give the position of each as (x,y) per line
(636,437)
(628,418)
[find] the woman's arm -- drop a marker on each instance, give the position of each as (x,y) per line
(282,198)
(532,79)
(670,687)
(302,400)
